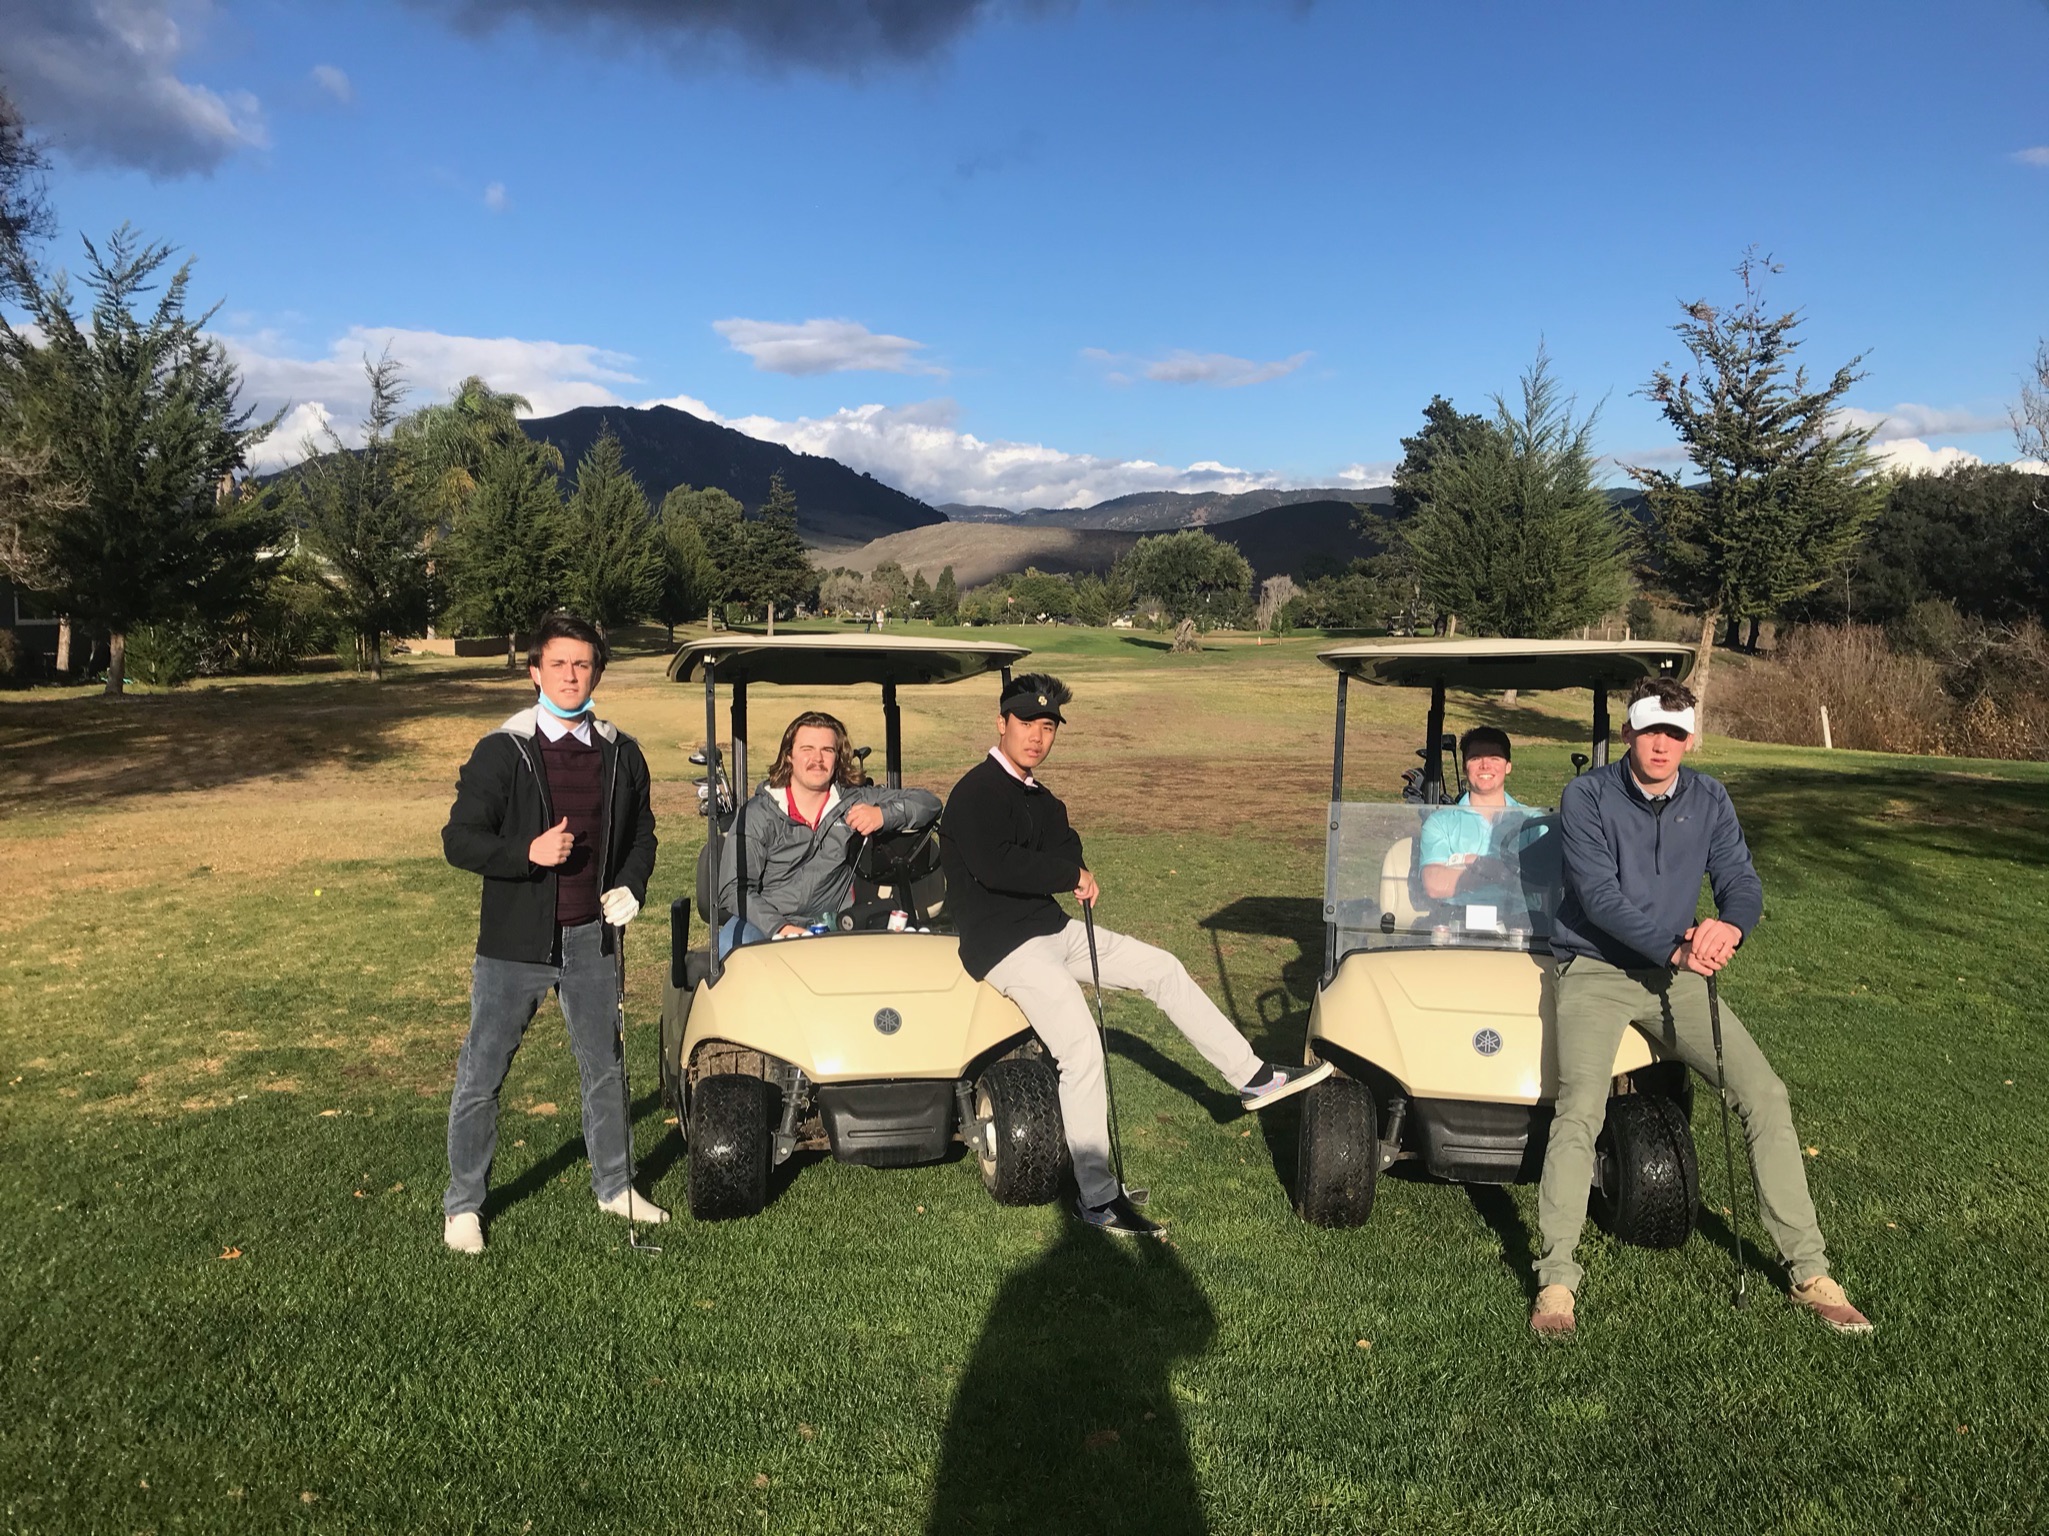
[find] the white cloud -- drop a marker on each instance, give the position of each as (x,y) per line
(306,422)
(496,198)
(1907,420)
(2037,155)
(1360,477)
(100,78)
(823,346)
(335,82)
(1910,455)
(554,376)
(1219,370)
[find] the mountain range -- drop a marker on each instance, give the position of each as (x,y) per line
(1152,511)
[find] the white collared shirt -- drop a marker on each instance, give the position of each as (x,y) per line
(1012,769)
(555,729)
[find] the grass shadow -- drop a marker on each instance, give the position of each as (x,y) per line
(87,751)
(1142,1053)
(1065,1417)
(1494,1205)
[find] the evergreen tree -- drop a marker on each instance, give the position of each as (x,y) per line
(367,524)
(946,598)
(504,557)
(691,579)
(1511,535)
(24,210)
(889,587)
(132,428)
(1782,492)
(1448,435)
(774,566)
(720,524)
(921,594)
(1192,575)
(613,562)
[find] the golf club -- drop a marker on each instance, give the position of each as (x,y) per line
(1742,1298)
(1135,1196)
(633,1239)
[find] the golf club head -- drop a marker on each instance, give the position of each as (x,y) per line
(1138,1196)
(633,1241)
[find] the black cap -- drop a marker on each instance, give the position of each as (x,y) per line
(1485,741)
(1028,700)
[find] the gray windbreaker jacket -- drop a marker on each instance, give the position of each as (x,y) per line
(795,874)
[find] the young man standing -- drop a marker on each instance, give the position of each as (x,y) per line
(800,829)
(552,810)
(1638,836)
(1009,852)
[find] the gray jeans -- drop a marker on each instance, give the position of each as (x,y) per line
(1043,977)
(504,996)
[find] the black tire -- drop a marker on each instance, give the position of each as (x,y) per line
(1337,1154)
(729,1146)
(1648,1183)
(1021,1146)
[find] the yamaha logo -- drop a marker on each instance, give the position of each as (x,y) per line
(1487,1041)
(888,1021)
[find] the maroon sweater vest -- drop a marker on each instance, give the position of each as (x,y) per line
(576,789)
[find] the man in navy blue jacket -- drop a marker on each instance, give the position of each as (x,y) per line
(1638,835)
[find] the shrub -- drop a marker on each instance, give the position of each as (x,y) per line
(164,655)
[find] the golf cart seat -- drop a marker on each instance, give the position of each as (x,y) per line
(1398,892)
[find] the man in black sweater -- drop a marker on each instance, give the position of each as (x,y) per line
(1009,853)
(552,810)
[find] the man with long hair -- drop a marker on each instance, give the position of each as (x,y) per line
(1638,836)
(1009,853)
(800,831)
(552,810)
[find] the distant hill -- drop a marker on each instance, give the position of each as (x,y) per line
(663,447)
(1275,542)
(1152,511)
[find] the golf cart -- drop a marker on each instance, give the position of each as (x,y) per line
(1439,1013)
(868,1040)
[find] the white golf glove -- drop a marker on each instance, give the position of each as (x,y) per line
(620,907)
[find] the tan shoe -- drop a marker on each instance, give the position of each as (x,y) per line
(1551,1318)
(634,1206)
(1825,1299)
(464,1233)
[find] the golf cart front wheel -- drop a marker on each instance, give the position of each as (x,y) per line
(1649,1189)
(729,1146)
(1018,1138)
(1337,1156)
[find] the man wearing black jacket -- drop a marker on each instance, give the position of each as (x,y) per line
(552,810)
(1638,836)
(1009,852)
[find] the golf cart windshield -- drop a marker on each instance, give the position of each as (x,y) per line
(1409,876)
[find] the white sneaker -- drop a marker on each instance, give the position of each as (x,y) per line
(635,1206)
(463,1233)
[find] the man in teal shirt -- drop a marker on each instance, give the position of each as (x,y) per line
(1460,849)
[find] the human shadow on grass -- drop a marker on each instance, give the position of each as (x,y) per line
(571,1151)
(1064,1420)
(1146,1056)
(77,753)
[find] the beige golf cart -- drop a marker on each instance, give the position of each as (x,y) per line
(1439,1013)
(867,1040)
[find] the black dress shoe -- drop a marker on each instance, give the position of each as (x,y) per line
(1120,1217)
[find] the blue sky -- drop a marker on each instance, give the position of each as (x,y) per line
(1044,253)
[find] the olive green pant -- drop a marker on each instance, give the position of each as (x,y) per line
(1596,1003)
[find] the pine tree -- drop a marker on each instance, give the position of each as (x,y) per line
(774,567)
(504,556)
(366,523)
(921,594)
(137,419)
(1511,536)
(1782,492)
(946,598)
(612,572)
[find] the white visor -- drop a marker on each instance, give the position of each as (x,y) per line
(1647,712)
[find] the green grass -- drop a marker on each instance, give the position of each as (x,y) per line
(199,1054)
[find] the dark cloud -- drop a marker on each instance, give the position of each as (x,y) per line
(100,82)
(828,34)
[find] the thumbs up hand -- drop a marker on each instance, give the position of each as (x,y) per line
(553,846)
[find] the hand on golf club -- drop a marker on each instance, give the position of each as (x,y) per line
(1086,890)
(619,906)
(864,819)
(1708,946)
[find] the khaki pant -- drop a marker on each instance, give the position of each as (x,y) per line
(1596,1002)
(1043,977)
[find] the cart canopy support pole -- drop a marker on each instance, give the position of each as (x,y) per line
(1600,752)
(1433,765)
(712,915)
(738,719)
(1330,852)
(892,738)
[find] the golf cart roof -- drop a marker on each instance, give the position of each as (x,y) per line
(1487,666)
(838,661)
